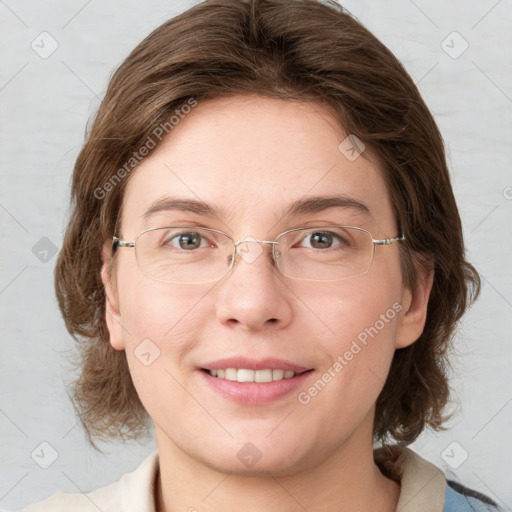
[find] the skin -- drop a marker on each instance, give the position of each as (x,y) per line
(253,156)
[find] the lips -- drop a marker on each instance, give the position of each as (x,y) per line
(253,364)
(257,393)
(254,382)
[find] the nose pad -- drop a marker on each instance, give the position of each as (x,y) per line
(249,249)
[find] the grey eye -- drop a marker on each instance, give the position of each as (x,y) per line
(187,241)
(324,240)
(321,239)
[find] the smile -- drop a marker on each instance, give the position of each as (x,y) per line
(247,375)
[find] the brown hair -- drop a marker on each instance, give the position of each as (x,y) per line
(303,50)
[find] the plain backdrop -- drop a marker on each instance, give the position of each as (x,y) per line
(459,54)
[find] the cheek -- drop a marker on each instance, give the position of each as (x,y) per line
(360,322)
(364,338)
(152,308)
(346,388)
(162,326)
(349,309)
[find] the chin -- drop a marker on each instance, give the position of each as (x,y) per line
(275,466)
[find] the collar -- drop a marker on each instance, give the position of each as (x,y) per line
(422,485)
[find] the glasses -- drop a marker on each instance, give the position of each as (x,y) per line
(185,254)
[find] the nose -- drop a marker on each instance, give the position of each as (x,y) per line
(253,295)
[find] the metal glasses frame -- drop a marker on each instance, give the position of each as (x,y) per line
(117,242)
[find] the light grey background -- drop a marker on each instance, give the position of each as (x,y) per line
(44,106)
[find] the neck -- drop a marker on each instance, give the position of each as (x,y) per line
(348,480)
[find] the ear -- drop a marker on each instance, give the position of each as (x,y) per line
(414,307)
(112,312)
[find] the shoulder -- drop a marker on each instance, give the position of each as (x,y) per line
(104,499)
(423,486)
(459,498)
(134,489)
(75,502)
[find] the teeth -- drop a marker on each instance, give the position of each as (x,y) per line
(245,375)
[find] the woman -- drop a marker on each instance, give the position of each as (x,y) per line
(265,261)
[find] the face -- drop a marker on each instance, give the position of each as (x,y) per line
(250,159)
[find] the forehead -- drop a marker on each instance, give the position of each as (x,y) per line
(252,157)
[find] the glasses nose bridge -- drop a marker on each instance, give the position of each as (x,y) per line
(250,239)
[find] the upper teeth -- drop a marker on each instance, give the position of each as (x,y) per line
(244,375)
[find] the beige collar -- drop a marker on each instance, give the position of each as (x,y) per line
(422,485)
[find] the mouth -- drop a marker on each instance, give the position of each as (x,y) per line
(249,375)
(249,382)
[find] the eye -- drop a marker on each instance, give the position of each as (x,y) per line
(323,239)
(187,241)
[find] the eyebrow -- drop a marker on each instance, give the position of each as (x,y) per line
(320,203)
(182,205)
(303,206)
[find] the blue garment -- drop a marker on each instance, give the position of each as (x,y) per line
(465,500)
